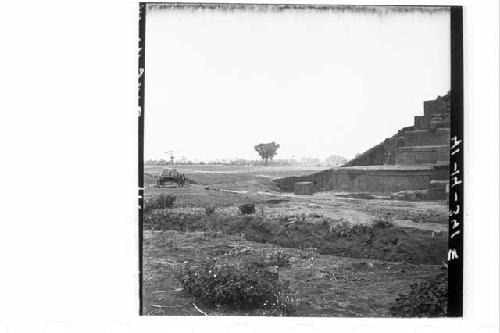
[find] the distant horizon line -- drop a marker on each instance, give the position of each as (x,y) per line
(220,159)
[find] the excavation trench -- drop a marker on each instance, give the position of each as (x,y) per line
(393,243)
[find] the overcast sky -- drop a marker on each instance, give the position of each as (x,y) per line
(220,82)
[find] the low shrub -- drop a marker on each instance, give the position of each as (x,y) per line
(266,258)
(339,226)
(169,219)
(263,257)
(163,201)
(209,210)
(428,298)
(384,220)
(368,236)
(308,252)
(280,258)
(343,228)
(246,286)
(247,209)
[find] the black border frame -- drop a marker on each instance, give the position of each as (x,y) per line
(142,75)
(456,230)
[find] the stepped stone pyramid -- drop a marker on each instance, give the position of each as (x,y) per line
(426,142)
(415,158)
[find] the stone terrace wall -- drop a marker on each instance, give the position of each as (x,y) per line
(440,136)
(365,179)
(422,154)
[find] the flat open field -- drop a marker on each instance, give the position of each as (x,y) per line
(341,262)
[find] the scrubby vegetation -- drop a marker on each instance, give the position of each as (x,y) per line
(165,219)
(247,209)
(209,210)
(276,258)
(330,236)
(162,201)
(240,286)
(428,298)
(384,220)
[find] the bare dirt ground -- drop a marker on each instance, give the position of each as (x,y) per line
(342,263)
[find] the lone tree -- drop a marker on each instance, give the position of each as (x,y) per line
(267,150)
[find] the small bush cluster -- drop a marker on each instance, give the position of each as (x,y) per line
(332,224)
(239,286)
(273,258)
(247,209)
(163,201)
(169,219)
(209,210)
(384,220)
(343,228)
(428,298)
(280,258)
(264,257)
(308,252)
(368,237)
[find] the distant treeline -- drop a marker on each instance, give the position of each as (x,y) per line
(331,161)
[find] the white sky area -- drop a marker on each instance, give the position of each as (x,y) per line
(218,83)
